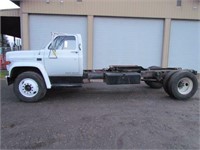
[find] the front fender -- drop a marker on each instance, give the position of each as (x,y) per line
(39,66)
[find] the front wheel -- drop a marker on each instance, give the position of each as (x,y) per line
(29,87)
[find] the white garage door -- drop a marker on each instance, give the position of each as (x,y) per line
(185,44)
(126,41)
(41,27)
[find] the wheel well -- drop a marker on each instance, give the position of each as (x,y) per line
(18,70)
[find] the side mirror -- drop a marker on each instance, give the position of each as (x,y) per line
(79,46)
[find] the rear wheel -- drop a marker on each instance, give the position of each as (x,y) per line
(29,87)
(166,82)
(183,85)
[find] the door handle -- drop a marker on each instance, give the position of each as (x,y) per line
(75,52)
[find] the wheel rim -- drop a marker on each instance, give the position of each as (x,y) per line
(185,86)
(28,87)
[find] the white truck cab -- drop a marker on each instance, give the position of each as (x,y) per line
(62,57)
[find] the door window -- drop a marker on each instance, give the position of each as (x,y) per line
(64,43)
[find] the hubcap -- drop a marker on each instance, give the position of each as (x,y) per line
(185,86)
(28,87)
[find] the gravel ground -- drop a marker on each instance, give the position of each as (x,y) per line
(98,116)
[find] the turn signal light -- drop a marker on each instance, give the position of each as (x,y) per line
(7,63)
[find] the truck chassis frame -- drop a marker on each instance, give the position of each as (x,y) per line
(177,83)
(29,86)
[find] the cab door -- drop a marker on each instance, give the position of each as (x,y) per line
(62,57)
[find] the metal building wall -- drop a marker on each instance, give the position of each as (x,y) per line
(189,9)
(162,9)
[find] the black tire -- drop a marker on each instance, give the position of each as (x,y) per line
(154,84)
(183,85)
(166,82)
(29,87)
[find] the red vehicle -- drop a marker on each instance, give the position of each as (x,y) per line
(2,60)
(3,51)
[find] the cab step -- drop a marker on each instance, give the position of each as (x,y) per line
(67,85)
